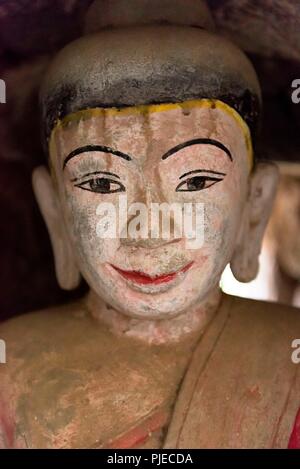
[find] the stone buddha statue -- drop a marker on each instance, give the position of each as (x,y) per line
(150,107)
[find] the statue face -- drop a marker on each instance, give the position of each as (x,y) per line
(192,153)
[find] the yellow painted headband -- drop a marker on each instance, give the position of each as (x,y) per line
(154,108)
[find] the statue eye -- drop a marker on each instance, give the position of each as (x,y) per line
(197,183)
(102,185)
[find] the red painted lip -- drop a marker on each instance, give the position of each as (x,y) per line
(144,279)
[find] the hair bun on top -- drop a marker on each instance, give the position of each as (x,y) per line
(117,13)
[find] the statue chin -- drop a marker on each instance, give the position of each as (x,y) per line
(180,292)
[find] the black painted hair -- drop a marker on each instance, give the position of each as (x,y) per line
(64,101)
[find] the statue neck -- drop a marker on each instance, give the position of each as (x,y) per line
(156,331)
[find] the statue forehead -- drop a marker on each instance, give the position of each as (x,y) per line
(132,128)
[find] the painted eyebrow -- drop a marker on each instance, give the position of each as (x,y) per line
(99,148)
(198,141)
(217,173)
(107,173)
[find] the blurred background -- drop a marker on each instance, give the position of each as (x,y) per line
(31,31)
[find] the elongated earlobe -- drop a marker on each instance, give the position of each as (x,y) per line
(67,272)
(245,261)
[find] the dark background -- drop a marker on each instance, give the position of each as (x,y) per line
(30,33)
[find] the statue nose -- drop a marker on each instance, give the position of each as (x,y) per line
(150,225)
(149,234)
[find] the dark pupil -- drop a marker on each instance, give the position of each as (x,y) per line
(100,185)
(195,183)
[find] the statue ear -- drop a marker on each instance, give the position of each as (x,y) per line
(263,184)
(67,273)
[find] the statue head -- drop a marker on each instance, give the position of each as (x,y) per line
(152,107)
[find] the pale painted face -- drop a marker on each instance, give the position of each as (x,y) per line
(198,153)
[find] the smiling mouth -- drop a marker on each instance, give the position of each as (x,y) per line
(144,279)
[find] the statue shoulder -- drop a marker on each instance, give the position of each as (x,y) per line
(70,383)
(42,367)
(269,329)
(268,312)
(30,335)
